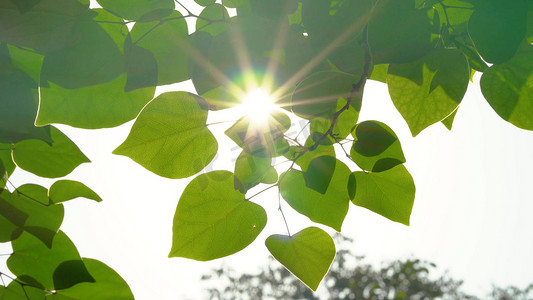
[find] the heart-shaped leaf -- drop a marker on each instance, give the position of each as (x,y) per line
(428,90)
(170,137)
(213,219)
(390,193)
(376,147)
(329,208)
(307,254)
(508,88)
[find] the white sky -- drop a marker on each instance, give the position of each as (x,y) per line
(471,214)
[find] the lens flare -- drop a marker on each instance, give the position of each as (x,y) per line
(258,106)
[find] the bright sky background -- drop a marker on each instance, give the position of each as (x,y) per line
(472,212)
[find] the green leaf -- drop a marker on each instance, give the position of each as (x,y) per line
(26,61)
(141,67)
(390,193)
(251,169)
(215,12)
(214,220)
(266,139)
(28,209)
(329,208)
(345,122)
(319,173)
(170,137)
(398,33)
(234,3)
(509,88)
(48,26)
(99,106)
(18,103)
(169,44)
(15,291)
(428,90)
(108,285)
(47,266)
(64,190)
(307,254)
(497,28)
(93,60)
(204,2)
(134,9)
(44,160)
(7,165)
(303,160)
(379,73)
(318,94)
(448,122)
(376,147)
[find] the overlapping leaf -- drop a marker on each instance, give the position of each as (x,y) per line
(98,106)
(376,147)
(329,208)
(509,88)
(108,285)
(497,28)
(169,44)
(170,137)
(29,210)
(318,95)
(18,103)
(390,193)
(307,254)
(398,33)
(53,268)
(49,25)
(428,90)
(213,219)
(135,9)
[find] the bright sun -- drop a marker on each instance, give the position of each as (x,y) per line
(258,105)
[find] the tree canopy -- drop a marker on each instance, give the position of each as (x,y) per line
(63,62)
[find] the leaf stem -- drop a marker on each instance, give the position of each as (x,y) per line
(262,191)
(283,215)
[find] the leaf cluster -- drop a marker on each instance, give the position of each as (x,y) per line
(63,62)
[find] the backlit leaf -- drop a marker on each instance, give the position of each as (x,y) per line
(509,88)
(329,208)
(64,190)
(213,219)
(108,285)
(98,106)
(141,67)
(25,209)
(398,33)
(169,44)
(376,147)
(390,193)
(497,27)
(428,90)
(32,258)
(250,169)
(134,9)
(307,254)
(48,26)
(319,173)
(317,95)
(95,59)
(170,137)
(44,160)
